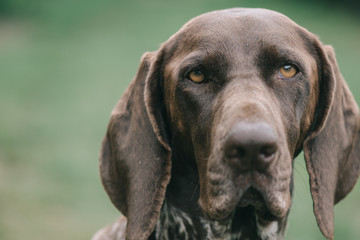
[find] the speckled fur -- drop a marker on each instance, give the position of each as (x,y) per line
(176,224)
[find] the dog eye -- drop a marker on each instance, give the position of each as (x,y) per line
(288,71)
(196,76)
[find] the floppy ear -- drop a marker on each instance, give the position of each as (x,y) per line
(332,148)
(135,162)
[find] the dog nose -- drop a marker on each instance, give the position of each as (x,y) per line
(251,146)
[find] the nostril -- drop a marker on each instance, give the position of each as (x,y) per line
(266,156)
(268,151)
(237,156)
(235,152)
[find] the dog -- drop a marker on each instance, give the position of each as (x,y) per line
(202,143)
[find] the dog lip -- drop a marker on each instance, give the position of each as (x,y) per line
(219,208)
(253,198)
(262,204)
(251,189)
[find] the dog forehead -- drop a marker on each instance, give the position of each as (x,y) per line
(235,31)
(238,23)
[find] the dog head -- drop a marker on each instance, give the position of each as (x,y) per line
(237,94)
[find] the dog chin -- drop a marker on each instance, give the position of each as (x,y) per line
(269,207)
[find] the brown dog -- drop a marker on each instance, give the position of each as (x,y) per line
(201,145)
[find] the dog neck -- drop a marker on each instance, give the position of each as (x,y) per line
(244,224)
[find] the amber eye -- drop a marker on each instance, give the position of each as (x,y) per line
(197,76)
(287,71)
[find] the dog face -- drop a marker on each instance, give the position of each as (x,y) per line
(241,114)
(236,94)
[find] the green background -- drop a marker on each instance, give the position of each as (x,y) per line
(63,66)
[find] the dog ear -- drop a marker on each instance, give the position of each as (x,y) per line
(135,161)
(332,148)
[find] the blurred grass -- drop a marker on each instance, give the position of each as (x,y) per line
(64,65)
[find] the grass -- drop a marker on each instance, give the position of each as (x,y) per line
(64,65)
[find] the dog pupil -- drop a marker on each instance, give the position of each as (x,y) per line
(197,72)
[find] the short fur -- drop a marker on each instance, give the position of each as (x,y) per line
(165,158)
